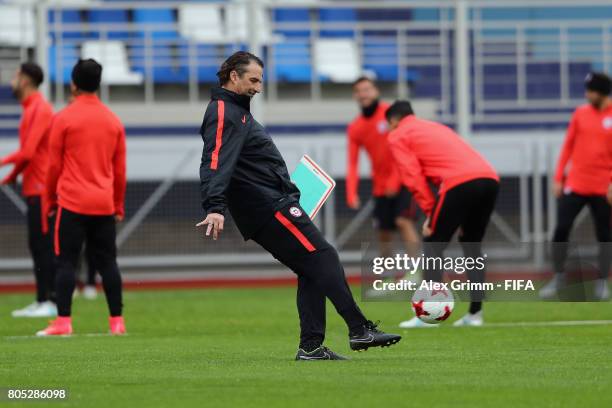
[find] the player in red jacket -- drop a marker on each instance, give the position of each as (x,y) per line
(393,208)
(86,187)
(428,152)
(31,160)
(588,151)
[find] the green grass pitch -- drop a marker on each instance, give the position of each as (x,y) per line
(235,347)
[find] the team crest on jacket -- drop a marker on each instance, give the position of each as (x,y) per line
(607,123)
(382,127)
(296,212)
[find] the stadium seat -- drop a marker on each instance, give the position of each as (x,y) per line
(169,63)
(67,16)
(116,16)
(292,61)
(384,14)
(380,57)
(6,95)
(543,80)
(337,59)
(113,57)
(577,72)
(291,15)
(499,82)
(69,56)
(17,26)
(337,15)
(236,16)
(148,19)
(201,22)
(208,57)
(427,81)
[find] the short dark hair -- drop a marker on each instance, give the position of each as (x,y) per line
(33,71)
(87,74)
(363,78)
(598,82)
(238,62)
(399,109)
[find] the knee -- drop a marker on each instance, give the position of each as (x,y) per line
(403,222)
(562,232)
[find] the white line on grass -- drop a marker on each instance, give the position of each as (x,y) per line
(552,323)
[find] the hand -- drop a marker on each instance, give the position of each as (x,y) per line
(355,205)
(50,208)
(427,231)
(390,193)
(557,189)
(609,195)
(215,224)
(119,217)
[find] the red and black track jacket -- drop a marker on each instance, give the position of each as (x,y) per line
(241,168)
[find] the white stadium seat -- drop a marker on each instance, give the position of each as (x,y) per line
(113,57)
(237,27)
(17,26)
(337,59)
(201,22)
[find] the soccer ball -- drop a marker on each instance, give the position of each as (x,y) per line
(433,306)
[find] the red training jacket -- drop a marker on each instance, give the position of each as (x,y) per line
(588,149)
(426,151)
(371,133)
(32,156)
(87,172)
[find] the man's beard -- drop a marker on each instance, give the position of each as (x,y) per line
(16,93)
(597,104)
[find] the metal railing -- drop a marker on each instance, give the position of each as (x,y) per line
(482,68)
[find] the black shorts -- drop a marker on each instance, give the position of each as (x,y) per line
(388,209)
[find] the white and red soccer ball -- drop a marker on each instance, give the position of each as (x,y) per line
(433,306)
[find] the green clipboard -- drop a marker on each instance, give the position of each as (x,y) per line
(315,185)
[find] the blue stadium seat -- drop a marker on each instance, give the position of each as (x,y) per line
(150,17)
(208,62)
(499,82)
(380,56)
(68,17)
(170,64)
(427,82)
(292,62)
(543,80)
(70,55)
(384,14)
(97,16)
(342,15)
(282,15)
(577,72)
(6,95)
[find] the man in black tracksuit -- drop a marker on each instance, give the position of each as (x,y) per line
(243,171)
